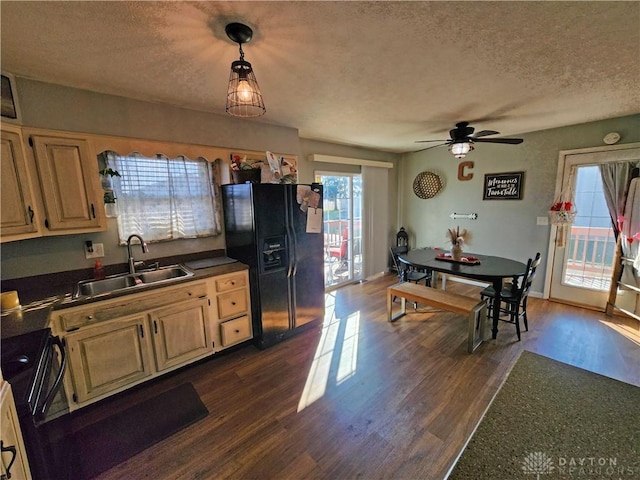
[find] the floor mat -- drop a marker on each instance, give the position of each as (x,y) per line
(558,420)
(115,439)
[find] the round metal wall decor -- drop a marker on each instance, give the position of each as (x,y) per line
(427,184)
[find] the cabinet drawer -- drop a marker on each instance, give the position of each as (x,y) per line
(234,331)
(232,303)
(231,282)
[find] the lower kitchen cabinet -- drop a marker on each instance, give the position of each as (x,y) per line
(117,343)
(14,463)
(181,333)
(106,357)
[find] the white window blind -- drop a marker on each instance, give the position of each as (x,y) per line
(164,198)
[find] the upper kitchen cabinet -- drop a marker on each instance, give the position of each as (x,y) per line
(69,183)
(17,203)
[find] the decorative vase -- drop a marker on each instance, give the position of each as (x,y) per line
(456,252)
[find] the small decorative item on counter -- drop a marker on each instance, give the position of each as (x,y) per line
(458,239)
(98,270)
(9,300)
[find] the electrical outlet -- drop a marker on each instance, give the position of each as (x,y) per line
(542,221)
(98,251)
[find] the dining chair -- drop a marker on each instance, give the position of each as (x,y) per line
(514,296)
(407,273)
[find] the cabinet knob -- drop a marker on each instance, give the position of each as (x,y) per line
(233,282)
(89,317)
(237,331)
(233,303)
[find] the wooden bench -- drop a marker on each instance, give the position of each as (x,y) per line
(474,309)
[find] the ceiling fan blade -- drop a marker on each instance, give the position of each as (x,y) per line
(427,141)
(510,141)
(433,146)
(484,133)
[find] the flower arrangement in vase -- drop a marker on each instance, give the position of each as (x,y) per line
(457,239)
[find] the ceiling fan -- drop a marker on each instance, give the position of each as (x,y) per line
(461,141)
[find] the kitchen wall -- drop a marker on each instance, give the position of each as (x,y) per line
(504,227)
(57,107)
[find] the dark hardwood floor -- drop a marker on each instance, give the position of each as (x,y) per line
(362,398)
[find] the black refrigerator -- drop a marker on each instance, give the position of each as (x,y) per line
(267,227)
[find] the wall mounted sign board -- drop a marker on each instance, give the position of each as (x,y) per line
(503,186)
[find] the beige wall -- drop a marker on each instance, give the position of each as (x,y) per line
(63,108)
(504,227)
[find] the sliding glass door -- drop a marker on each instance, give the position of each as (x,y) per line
(342,217)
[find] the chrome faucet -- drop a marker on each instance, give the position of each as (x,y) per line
(145,249)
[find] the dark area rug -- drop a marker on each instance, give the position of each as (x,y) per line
(554,421)
(113,440)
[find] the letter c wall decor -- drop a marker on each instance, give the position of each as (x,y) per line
(461,175)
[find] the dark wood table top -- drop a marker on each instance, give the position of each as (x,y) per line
(490,268)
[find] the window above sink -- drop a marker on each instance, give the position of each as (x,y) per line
(162,198)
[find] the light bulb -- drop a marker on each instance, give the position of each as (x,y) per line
(244,91)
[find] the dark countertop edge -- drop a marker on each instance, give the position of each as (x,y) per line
(28,320)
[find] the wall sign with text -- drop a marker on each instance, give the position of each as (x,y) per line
(503,186)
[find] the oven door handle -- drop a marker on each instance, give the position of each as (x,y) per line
(56,384)
(14,453)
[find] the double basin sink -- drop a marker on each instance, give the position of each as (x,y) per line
(130,281)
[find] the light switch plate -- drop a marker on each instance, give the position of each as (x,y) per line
(98,251)
(542,221)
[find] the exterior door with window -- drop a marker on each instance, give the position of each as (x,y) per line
(582,267)
(342,218)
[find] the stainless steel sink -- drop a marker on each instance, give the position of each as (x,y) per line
(128,281)
(164,273)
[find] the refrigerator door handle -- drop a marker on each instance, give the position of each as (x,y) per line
(291,235)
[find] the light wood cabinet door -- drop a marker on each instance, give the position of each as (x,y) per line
(181,333)
(17,202)
(14,462)
(109,356)
(68,173)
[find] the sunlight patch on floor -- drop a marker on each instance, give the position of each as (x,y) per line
(624,329)
(333,346)
(349,351)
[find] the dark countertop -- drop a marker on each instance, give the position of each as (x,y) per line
(35,315)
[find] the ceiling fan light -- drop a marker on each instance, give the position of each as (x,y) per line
(460,149)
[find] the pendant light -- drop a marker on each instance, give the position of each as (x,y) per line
(244,98)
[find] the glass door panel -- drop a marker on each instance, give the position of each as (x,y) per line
(342,215)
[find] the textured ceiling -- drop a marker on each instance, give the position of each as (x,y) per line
(374,74)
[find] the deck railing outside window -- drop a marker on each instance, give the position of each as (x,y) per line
(590,254)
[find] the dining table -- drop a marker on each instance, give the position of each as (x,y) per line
(485,268)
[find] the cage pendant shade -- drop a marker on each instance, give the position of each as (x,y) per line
(244,98)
